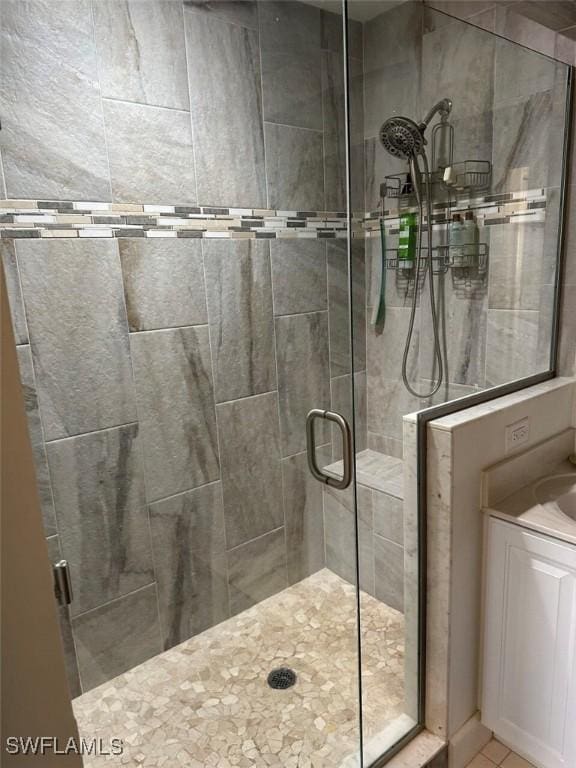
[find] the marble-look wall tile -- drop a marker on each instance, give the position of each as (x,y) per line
(117,636)
(53,144)
(464,311)
(37,439)
(298,276)
(332,34)
(356,112)
(341,402)
(462,9)
(239,291)
(78,333)
(150,153)
(391,446)
(190,562)
(340,535)
(303,513)
(518,266)
(163,283)
(389,572)
(141,52)
(385,346)
(289,25)
(458,62)
(511,345)
(14,291)
(519,73)
(333,95)
(553,15)
(251,471)
(229,116)
(392,67)
(526,155)
(257,570)
(294,168)
(70,661)
(357,182)
(176,409)
(303,377)
(334,130)
(241,12)
(388,517)
(100,505)
(339,307)
(565,47)
(291,86)
(355,39)
(388,402)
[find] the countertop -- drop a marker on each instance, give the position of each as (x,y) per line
(522,508)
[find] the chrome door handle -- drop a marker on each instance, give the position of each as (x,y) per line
(317,413)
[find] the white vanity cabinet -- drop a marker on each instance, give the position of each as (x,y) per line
(529,660)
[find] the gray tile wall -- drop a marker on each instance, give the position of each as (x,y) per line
(549,29)
(167,382)
(167,386)
(508,108)
(176,101)
(380,538)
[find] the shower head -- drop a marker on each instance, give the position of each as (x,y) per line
(401,137)
(404,138)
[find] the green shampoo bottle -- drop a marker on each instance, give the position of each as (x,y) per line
(407,240)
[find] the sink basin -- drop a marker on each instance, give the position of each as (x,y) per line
(558,491)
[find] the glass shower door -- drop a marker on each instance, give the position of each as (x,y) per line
(173,335)
(456,210)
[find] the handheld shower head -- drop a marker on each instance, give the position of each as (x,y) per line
(404,138)
(401,137)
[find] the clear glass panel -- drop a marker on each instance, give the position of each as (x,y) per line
(174,333)
(177,331)
(485,119)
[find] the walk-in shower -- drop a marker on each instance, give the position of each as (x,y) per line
(207,233)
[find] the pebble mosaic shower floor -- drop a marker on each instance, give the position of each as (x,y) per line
(206,702)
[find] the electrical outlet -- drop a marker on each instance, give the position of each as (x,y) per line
(517,434)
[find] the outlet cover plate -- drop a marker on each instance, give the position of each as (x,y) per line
(517,434)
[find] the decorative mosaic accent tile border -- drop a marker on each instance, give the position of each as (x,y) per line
(508,208)
(53,218)
(30,218)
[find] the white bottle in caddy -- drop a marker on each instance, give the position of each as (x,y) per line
(464,238)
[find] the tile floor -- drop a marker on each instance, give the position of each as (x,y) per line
(496,754)
(206,702)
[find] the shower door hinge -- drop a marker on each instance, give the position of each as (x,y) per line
(62,583)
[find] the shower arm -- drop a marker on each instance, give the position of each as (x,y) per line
(443,108)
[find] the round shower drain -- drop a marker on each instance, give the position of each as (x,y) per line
(281,678)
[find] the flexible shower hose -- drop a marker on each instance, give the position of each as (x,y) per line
(428,267)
